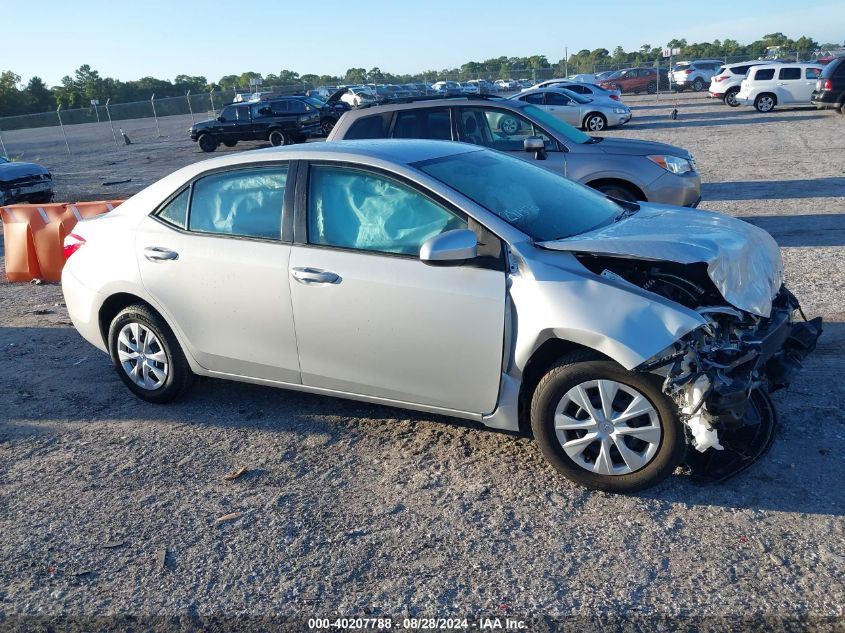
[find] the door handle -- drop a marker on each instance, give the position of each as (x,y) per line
(314,276)
(160,254)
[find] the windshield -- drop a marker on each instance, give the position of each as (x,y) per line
(557,126)
(3,160)
(541,204)
(615,75)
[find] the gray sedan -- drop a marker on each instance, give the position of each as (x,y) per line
(450,279)
(584,112)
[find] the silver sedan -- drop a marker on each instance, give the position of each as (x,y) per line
(584,112)
(450,279)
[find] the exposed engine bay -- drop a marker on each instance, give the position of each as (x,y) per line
(719,374)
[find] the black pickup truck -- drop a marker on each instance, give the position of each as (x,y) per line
(280,121)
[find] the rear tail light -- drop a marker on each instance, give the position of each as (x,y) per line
(688,71)
(720,78)
(614,97)
(828,85)
(73,243)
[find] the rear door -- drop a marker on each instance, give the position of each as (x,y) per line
(563,108)
(214,259)
(371,318)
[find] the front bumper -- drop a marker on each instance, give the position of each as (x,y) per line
(682,190)
(15,194)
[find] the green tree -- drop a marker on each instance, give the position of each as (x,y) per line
(38,97)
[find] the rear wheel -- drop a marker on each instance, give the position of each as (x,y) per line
(618,191)
(207,142)
(278,137)
(147,355)
(604,427)
(652,88)
(764,103)
(595,122)
(730,97)
(698,84)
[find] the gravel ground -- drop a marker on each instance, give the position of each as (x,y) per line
(109,506)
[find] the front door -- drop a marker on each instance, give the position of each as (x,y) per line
(373,319)
(219,269)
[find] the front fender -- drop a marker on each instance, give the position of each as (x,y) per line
(622,321)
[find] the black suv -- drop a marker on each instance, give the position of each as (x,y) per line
(830,86)
(281,121)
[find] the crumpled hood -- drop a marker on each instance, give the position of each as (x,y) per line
(743,260)
(634,147)
(13,171)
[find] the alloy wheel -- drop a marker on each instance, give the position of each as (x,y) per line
(607,427)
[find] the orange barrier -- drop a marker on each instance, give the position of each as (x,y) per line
(84,210)
(34,236)
(19,247)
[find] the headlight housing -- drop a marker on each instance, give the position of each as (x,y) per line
(621,110)
(674,164)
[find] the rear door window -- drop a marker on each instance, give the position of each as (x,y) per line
(554,98)
(374,126)
(246,203)
(789,73)
(428,123)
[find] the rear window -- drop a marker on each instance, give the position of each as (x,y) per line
(738,70)
(836,68)
(721,70)
(789,73)
(764,73)
(369,127)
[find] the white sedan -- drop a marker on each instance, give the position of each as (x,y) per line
(589,114)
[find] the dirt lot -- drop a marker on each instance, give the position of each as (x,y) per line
(357,510)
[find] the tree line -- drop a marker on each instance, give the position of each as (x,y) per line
(86,84)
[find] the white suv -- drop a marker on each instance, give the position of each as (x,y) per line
(694,74)
(769,85)
(725,83)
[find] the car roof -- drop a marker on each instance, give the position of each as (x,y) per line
(440,102)
(787,65)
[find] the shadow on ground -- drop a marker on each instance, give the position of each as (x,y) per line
(50,378)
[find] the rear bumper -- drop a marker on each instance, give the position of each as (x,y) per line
(824,99)
(83,306)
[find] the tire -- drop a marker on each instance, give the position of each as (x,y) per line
(652,88)
(594,122)
(230,143)
(207,143)
(168,376)
(653,443)
(41,198)
(277,138)
(765,102)
(509,125)
(730,98)
(698,84)
(618,191)
(679,88)
(327,125)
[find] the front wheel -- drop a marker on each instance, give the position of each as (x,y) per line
(730,98)
(595,122)
(604,427)
(764,103)
(147,355)
(509,125)
(277,138)
(620,192)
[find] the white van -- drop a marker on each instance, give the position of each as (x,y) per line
(770,85)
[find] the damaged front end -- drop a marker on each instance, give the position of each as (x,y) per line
(720,376)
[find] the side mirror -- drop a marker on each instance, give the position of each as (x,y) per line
(536,145)
(452,246)
(221,119)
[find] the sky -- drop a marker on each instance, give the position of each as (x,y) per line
(129,40)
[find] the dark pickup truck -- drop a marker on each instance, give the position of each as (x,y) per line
(280,121)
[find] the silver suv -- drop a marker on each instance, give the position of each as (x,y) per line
(627,169)
(695,74)
(449,279)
